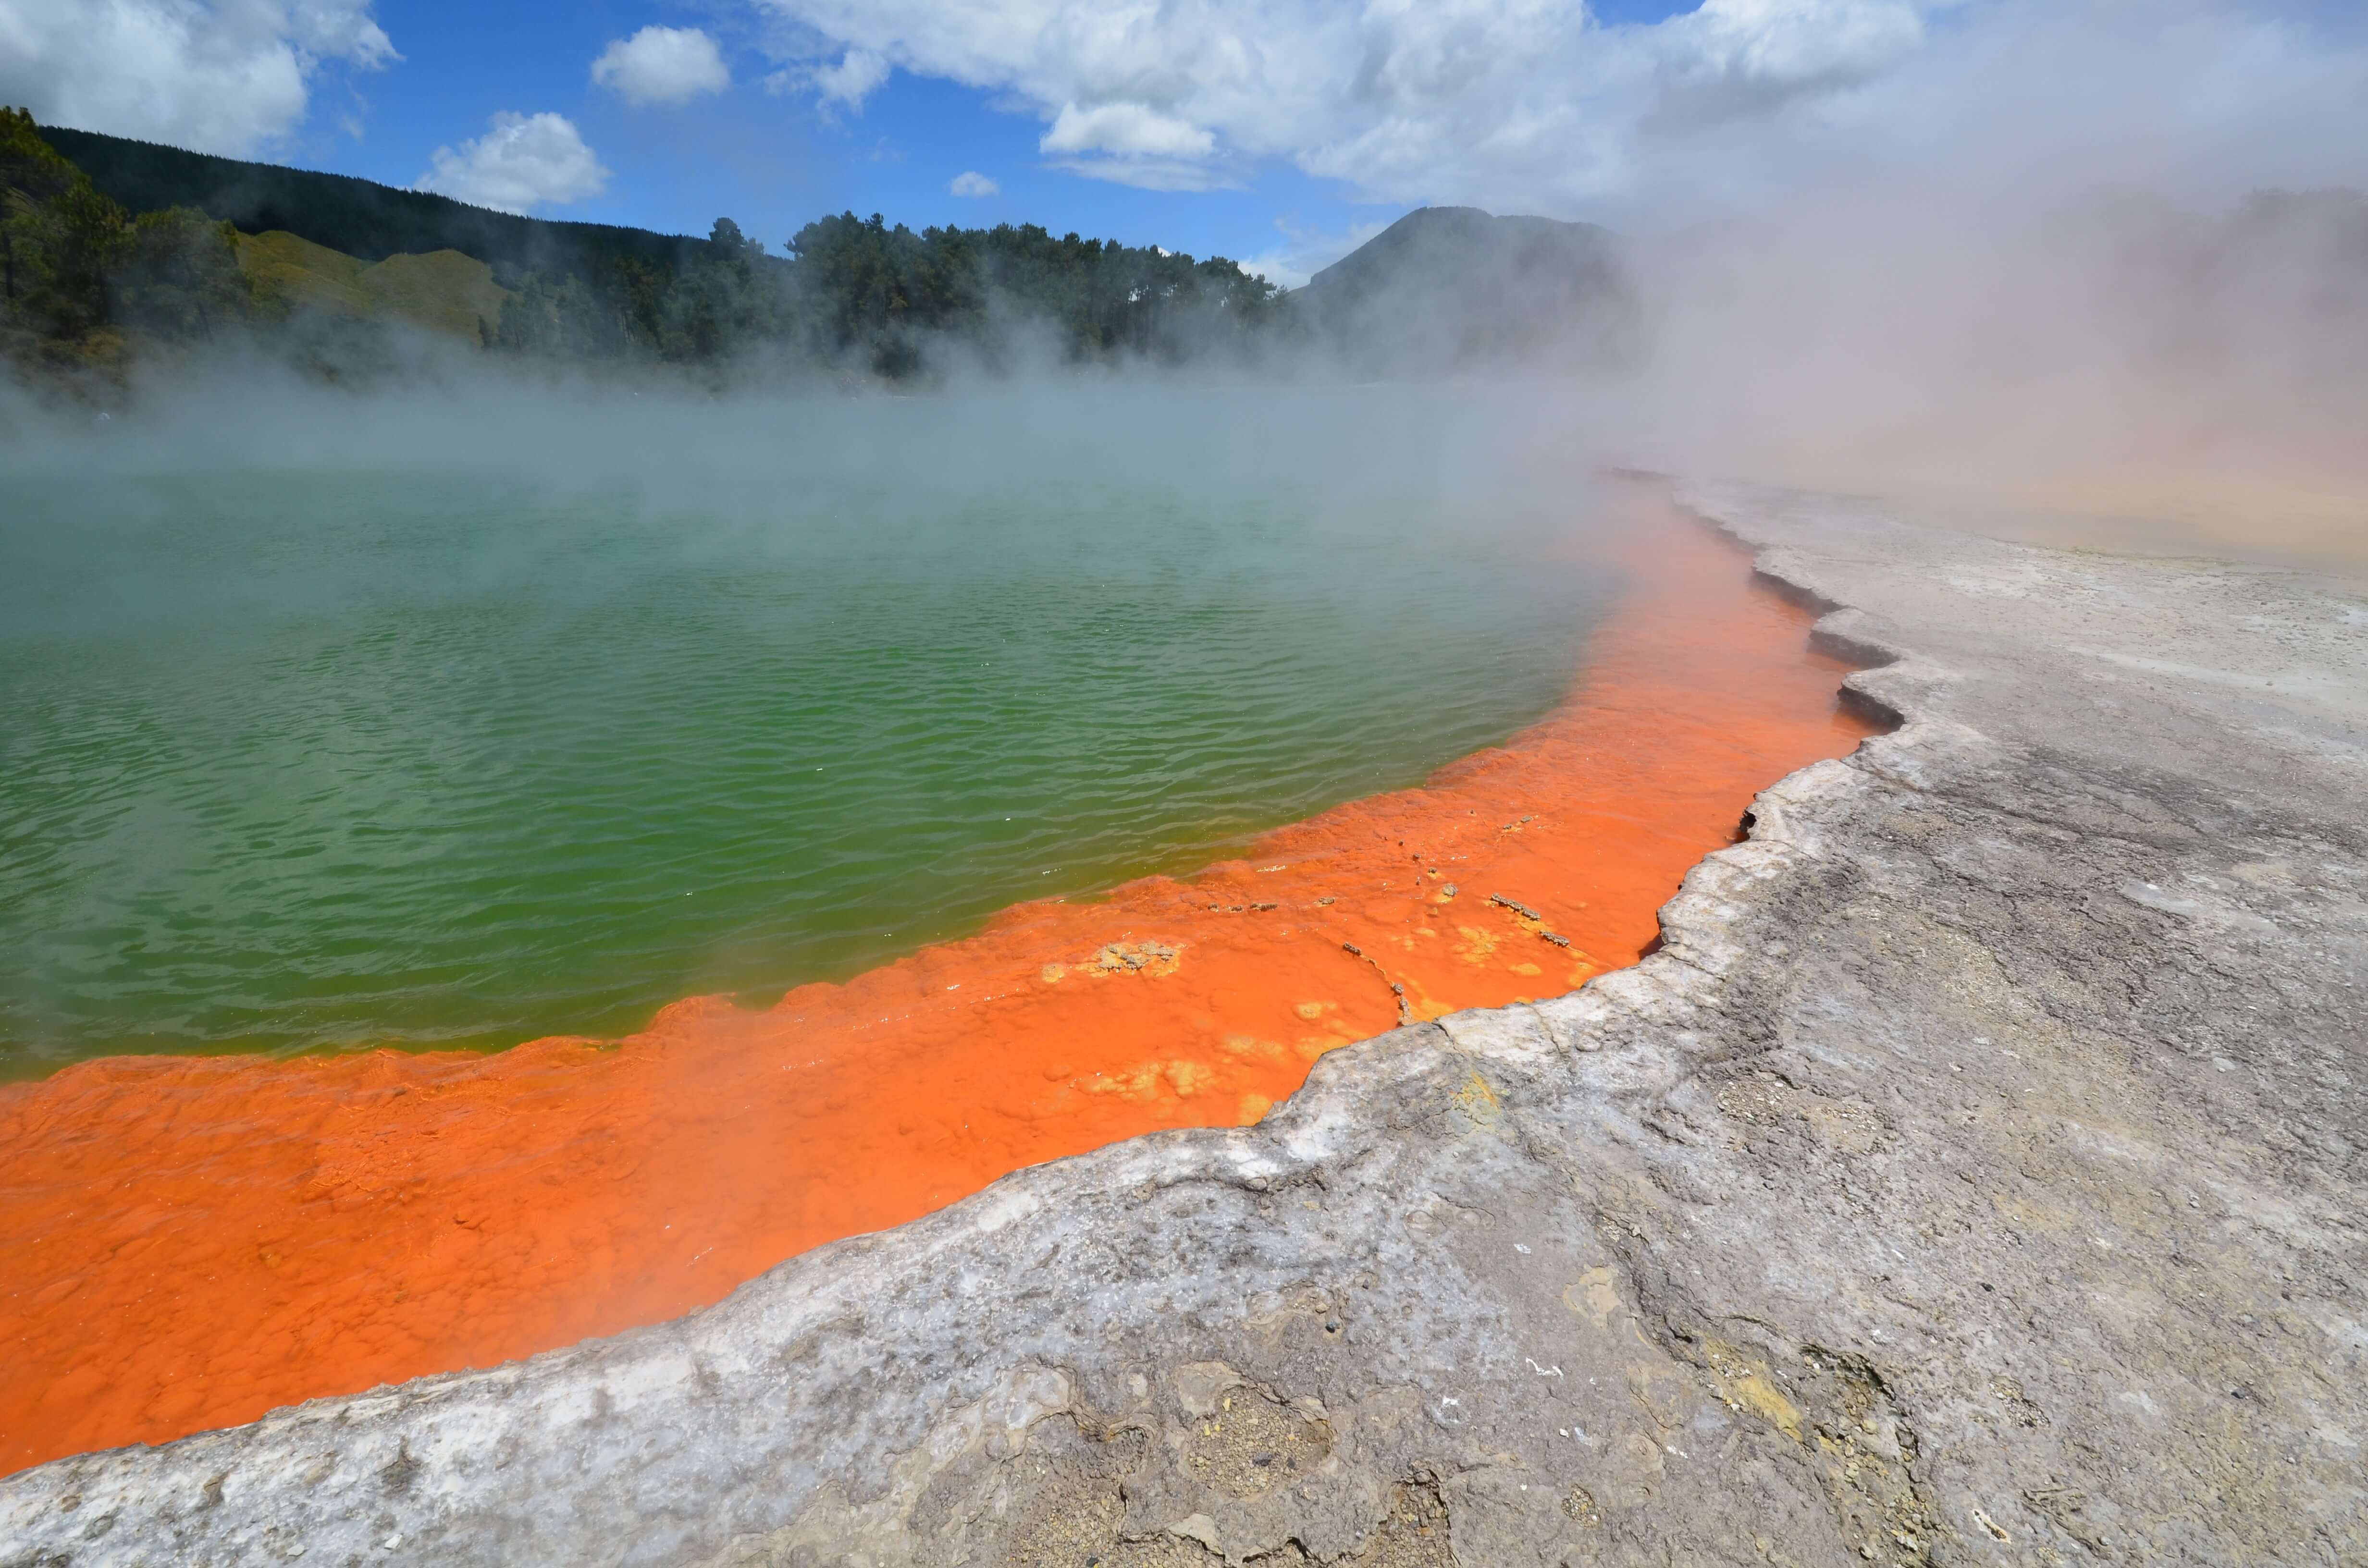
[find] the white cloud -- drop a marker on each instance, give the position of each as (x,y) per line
(843,86)
(973,184)
(1474,98)
(1151,173)
(522,162)
(1128,129)
(1539,106)
(1788,40)
(1131,143)
(662,65)
(222,78)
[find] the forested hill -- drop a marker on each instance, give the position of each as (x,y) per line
(111,244)
(361,218)
(1449,286)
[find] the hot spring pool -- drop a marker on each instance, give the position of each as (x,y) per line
(486,725)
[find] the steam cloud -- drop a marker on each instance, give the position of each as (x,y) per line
(2091,260)
(2094,256)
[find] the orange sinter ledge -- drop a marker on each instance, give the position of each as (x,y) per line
(187,1243)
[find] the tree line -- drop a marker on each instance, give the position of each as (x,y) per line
(86,281)
(853,291)
(76,270)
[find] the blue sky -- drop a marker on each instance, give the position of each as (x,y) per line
(773,161)
(1280,133)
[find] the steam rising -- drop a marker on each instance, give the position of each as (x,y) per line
(2099,259)
(2120,355)
(2094,271)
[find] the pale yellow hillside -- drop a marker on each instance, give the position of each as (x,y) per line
(442,291)
(297,274)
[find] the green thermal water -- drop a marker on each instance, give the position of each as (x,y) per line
(363,748)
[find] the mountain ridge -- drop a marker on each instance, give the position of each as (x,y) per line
(359,217)
(1446,288)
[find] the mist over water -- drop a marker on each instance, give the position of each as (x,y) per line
(464,722)
(480,702)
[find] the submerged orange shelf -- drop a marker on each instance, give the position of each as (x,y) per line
(187,1242)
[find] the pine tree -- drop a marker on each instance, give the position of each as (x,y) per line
(58,239)
(179,276)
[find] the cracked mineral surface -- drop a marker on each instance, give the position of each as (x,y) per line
(1974,1176)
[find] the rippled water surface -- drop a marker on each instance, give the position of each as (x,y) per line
(348,745)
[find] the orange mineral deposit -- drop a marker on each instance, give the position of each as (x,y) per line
(187,1242)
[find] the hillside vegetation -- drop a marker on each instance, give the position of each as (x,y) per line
(441,292)
(1445,288)
(287,247)
(359,217)
(335,271)
(77,273)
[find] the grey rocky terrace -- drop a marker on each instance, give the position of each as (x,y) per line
(1974,1177)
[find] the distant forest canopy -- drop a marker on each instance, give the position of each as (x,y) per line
(221,245)
(858,291)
